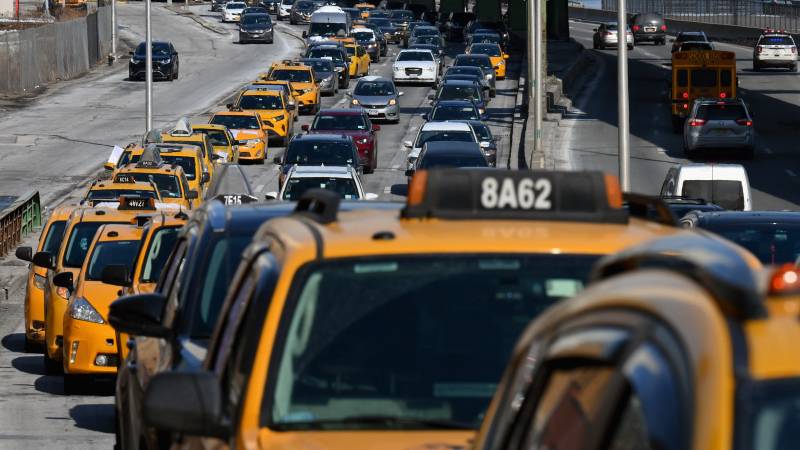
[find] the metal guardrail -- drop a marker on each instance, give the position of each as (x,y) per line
(19,219)
(777,14)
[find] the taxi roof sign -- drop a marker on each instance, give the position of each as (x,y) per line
(124,178)
(136,203)
(490,194)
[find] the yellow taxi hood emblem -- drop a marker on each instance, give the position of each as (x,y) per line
(375,440)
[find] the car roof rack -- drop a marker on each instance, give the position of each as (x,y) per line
(319,205)
(718,266)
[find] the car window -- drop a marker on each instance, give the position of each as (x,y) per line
(339,122)
(161,245)
(110,253)
(301,76)
(415,56)
(168,185)
(455,112)
(297,186)
(776,40)
(114,194)
(725,193)
(307,153)
(374,88)
(771,243)
(433,136)
(704,77)
(260,102)
(80,239)
(188,163)
(721,112)
(54,236)
(236,122)
(430,161)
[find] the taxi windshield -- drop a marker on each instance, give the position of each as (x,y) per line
(217,137)
(436,135)
(188,164)
(55,234)
(236,122)
(111,253)
(168,185)
(297,76)
(769,415)
(114,194)
(157,253)
(78,244)
(454,112)
(297,186)
(407,342)
(319,153)
(339,122)
(268,102)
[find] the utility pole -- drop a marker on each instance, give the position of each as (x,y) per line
(148,43)
(622,98)
(535,59)
(113,31)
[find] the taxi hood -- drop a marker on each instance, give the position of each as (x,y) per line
(372,439)
(243,135)
(99,294)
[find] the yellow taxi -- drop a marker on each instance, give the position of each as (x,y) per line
(343,329)
(190,159)
(90,345)
(686,339)
(359,60)
(290,93)
(276,116)
(64,265)
(183,134)
(221,139)
(304,88)
(49,241)
(171,180)
(110,191)
(365,9)
(496,55)
(248,129)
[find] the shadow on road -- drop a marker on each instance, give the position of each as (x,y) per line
(99,418)
(33,365)
(49,384)
(399,189)
(14,342)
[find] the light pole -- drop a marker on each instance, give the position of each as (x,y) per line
(538,68)
(622,98)
(113,30)
(148,43)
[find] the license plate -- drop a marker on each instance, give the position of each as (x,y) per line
(372,112)
(723,132)
(650,29)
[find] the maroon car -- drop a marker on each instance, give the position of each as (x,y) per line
(352,122)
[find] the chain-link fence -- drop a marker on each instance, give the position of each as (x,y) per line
(781,14)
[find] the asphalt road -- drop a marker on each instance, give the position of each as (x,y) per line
(590,139)
(56,143)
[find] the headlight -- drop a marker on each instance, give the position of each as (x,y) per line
(242,30)
(279,118)
(392,102)
(63,292)
(267,30)
(371,45)
(166,61)
(136,60)
(362,140)
(489,76)
(481,110)
(81,309)
(252,142)
(39,281)
(354,101)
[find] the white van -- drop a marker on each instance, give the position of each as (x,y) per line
(723,184)
(328,22)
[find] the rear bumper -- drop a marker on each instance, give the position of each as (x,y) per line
(264,37)
(732,142)
(649,37)
(777,61)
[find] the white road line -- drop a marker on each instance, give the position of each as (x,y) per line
(259,188)
(387,190)
(791,174)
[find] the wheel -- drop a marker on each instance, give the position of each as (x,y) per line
(630,47)
(74,384)
(51,366)
(594,45)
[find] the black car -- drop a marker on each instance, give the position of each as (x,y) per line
(445,155)
(324,74)
(772,236)
(686,36)
(470,73)
(256,28)
(648,27)
(389,31)
(271,6)
(445,110)
(301,12)
(481,26)
(368,40)
(165,62)
(453,28)
(337,54)
(461,90)
(484,63)
(317,150)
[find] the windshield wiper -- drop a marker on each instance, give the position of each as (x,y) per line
(378,422)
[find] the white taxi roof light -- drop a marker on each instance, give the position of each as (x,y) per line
(182,128)
(480,194)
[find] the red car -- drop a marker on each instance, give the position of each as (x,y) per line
(352,122)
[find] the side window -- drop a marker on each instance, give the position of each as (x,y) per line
(170,285)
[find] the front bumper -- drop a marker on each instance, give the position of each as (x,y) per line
(379,112)
(231,17)
(329,88)
(266,36)
(34,311)
(301,19)
(253,153)
(612,42)
(402,75)
(84,342)
(163,71)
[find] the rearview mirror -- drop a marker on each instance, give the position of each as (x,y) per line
(485,144)
(45,260)
(432,97)
(191,195)
(271,196)
(185,402)
(348,93)
(408,144)
(24,253)
(139,315)
(400,94)
(305,34)
(425,116)
(116,275)
(64,280)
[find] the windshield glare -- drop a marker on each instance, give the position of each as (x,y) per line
(111,253)
(296,186)
(80,240)
(358,332)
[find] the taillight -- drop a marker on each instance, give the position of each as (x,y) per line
(663,28)
(723,95)
(745,122)
(697,122)
(685,106)
(685,95)
(759,49)
(636,28)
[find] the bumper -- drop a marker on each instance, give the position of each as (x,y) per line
(307,100)
(54,326)
(163,72)
(231,17)
(776,61)
(84,342)
(34,312)
(301,19)
(257,153)
(374,53)
(393,38)
(424,77)
(382,112)
(721,142)
(613,42)
(649,37)
(251,37)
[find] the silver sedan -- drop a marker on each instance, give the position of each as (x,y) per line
(606,36)
(719,124)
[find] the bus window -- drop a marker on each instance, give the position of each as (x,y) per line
(683,78)
(725,78)
(704,78)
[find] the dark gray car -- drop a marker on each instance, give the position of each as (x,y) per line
(719,124)
(324,74)
(378,96)
(484,63)
(470,72)
(648,27)
(256,28)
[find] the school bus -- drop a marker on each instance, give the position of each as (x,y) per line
(700,74)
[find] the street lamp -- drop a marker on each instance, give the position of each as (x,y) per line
(148,44)
(622,98)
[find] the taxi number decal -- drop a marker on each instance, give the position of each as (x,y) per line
(124,179)
(136,203)
(508,193)
(232,199)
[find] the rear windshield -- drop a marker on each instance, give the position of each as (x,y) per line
(236,122)
(340,122)
(725,193)
(160,247)
(459,93)
(379,88)
(331,53)
(109,253)
(721,112)
(168,185)
(434,136)
(691,37)
(306,153)
(114,194)
(704,77)
(491,50)
(450,161)
(776,40)
(345,187)
(260,102)
(690,46)
(770,243)
(186,162)
(476,60)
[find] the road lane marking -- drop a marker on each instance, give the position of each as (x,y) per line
(387,190)
(396,166)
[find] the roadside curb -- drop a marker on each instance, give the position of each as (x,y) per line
(202,22)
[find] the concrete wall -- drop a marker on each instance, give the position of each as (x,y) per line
(33,57)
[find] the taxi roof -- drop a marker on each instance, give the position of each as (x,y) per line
(165,168)
(209,126)
(111,185)
(260,92)
(62,212)
(237,113)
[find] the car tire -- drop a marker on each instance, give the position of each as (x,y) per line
(749,154)
(594,45)
(74,384)
(756,67)
(793,68)
(630,47)
(51,366)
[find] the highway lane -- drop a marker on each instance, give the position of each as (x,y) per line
(590,139)
(62,138)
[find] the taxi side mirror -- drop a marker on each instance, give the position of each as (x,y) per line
(215,156)
(205,177)
(187,403)
(24,253)
(425,117)
(305,34)
(139,315)
(116,275)
(64,280)
(191,195)
(109,166)
(45,260)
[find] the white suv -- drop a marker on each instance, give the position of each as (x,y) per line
(416,66)
(343,180)
(775,49)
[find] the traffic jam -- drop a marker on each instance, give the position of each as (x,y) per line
(483,307)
